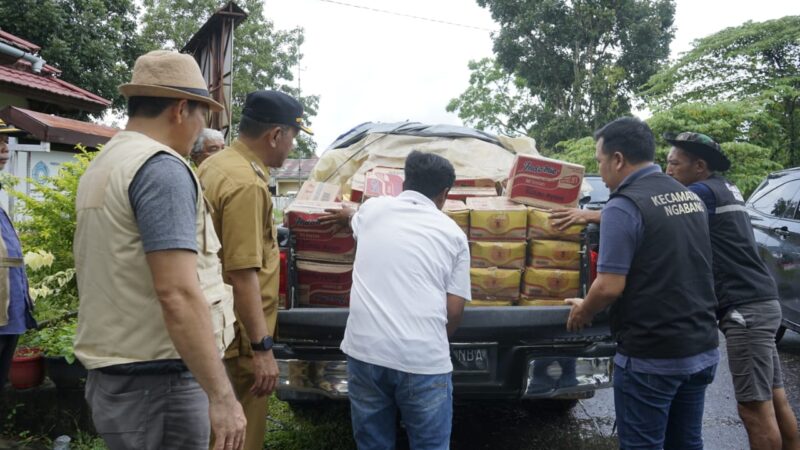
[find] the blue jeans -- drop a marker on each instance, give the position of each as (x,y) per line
(376,393)
(660,411)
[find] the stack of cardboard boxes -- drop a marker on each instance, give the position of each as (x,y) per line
(324,252)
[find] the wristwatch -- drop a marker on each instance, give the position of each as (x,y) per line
(265,344)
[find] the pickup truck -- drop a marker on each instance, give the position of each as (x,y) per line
(518,353)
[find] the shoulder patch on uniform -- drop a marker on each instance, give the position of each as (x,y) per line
(258,171)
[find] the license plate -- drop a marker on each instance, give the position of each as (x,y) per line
(470,359)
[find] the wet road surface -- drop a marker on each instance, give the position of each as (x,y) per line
(590,425)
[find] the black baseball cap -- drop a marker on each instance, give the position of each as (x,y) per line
(274,107)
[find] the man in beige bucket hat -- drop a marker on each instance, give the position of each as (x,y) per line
(154,313)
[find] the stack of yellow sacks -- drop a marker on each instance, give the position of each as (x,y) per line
(553,271)
(497,232)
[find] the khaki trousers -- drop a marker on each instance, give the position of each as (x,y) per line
(240,372)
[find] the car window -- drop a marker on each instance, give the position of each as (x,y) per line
(794,206)
(778,201)
(598,192)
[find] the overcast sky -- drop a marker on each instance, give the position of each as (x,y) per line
(373,66)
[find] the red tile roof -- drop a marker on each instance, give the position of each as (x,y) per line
(50,85)
(55,129)
(294,168)
(19,42)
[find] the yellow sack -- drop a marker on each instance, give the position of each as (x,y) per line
(554,283)
(496,219)
(539,227)
(490,303)
(526,301)
(457,210)
(505,255)
(494,284)
(555,255)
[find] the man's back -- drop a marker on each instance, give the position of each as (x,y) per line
(410,256)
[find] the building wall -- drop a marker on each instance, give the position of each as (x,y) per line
(283,187)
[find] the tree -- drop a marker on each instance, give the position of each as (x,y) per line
(744,131)
(579,61)
(757,62)
(93,42)
(264,58)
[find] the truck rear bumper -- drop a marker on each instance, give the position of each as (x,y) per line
(545,378)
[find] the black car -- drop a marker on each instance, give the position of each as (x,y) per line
(774,213)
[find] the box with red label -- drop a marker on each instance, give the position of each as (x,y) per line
(474,182)
(382,181)
(497,219)
(464,192)
(315,240)
(319,192)
(357,187)
(324,284)
(544,182)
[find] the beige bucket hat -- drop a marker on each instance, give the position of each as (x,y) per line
(163,73)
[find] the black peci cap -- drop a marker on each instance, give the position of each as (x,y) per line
(702,146)
(274,107)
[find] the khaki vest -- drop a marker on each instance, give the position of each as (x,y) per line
(5,292)
(120,318)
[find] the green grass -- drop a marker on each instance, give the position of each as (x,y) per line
(317,427)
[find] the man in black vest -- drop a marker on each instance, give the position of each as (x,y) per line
(654,270)
(748,307)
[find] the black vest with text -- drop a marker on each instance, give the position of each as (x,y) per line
(740,275)
(668,307)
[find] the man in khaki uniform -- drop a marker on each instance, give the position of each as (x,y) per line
(154,314)
(235,181)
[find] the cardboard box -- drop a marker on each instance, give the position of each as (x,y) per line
(464,192)
(458,211)
(554,283)
(474,182)
(357,187)
(540,227)
(527,301)
(503,255)
(496,219)
(555,255)
(319,192)
(317,241)
(544,182)
(324,284)
(495,284)
(382,181)
(474,303)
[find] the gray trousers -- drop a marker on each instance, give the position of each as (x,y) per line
(149,412)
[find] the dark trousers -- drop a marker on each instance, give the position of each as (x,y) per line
(8,343)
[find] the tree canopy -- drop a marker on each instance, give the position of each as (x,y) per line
(577,64)
(264,57)
(93,42)
(757,62)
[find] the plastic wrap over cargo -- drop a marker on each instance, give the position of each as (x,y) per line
(458,211)
(503,255)
(324,284)
(544,182)
(317,241)
(318,191)
(495,284)
(540,227)
(555,255)
(553,283)
(474,154)
(497,219)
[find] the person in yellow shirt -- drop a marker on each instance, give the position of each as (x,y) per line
(235,182)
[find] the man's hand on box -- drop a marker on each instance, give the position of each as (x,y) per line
(579,318)
(339,216)
(563,218)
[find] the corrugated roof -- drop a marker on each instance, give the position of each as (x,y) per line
(51,85)
(18,42)
(294,168)
(55,129)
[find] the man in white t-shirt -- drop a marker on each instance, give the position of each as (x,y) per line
(410,282)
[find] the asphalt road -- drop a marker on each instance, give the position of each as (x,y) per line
(590,425)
